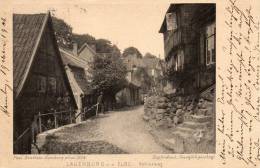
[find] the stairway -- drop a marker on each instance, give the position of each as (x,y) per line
(187,135)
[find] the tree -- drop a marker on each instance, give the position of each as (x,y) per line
(63,32)
(108,74)
(146,81)
(149,55)
(103,46)
(65,37)
(80,39)
(116,51)
(131,51)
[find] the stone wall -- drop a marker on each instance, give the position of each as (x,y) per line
(190,120)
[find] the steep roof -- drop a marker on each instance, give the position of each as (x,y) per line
(200,6)
(77,65)
(170,9)
(27,34)
(85,45)
(27,30)
(69,59)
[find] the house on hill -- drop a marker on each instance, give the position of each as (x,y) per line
(40,82)
(131,94)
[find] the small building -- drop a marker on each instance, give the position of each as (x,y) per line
(39,79)
(86,52)
(76,70)
(189,46)
(131,94)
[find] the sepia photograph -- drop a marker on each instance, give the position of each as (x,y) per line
(114,78)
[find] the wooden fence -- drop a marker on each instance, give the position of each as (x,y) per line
(47,121)
(42,122)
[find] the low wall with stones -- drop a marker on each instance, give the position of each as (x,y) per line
(190,119)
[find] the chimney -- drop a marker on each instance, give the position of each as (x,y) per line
(75,48)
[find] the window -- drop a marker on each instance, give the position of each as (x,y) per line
(210,44)
(41,84)
(179,61)
(52,85)
(171,21)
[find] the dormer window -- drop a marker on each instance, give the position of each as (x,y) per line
(171,21)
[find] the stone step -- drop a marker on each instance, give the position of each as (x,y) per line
(195,125)
(197,118)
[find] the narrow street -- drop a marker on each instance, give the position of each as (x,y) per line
(124,130)
(127,130)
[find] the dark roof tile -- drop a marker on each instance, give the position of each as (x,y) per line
(26,31)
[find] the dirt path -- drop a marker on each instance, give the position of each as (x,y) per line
(115,132)
(127,130)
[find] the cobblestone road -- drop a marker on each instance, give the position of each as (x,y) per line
(115,132)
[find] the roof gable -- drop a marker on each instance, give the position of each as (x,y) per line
(85,45)
(27,31)
(163,26)
(69,59)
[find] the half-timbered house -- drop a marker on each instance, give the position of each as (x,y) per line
(39,78)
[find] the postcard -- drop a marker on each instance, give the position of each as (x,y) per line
(129,84)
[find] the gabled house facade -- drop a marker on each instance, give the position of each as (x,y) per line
(189,46)
(87,52)
(84,52)
(40,82)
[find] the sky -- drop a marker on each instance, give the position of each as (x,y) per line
(123,23)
